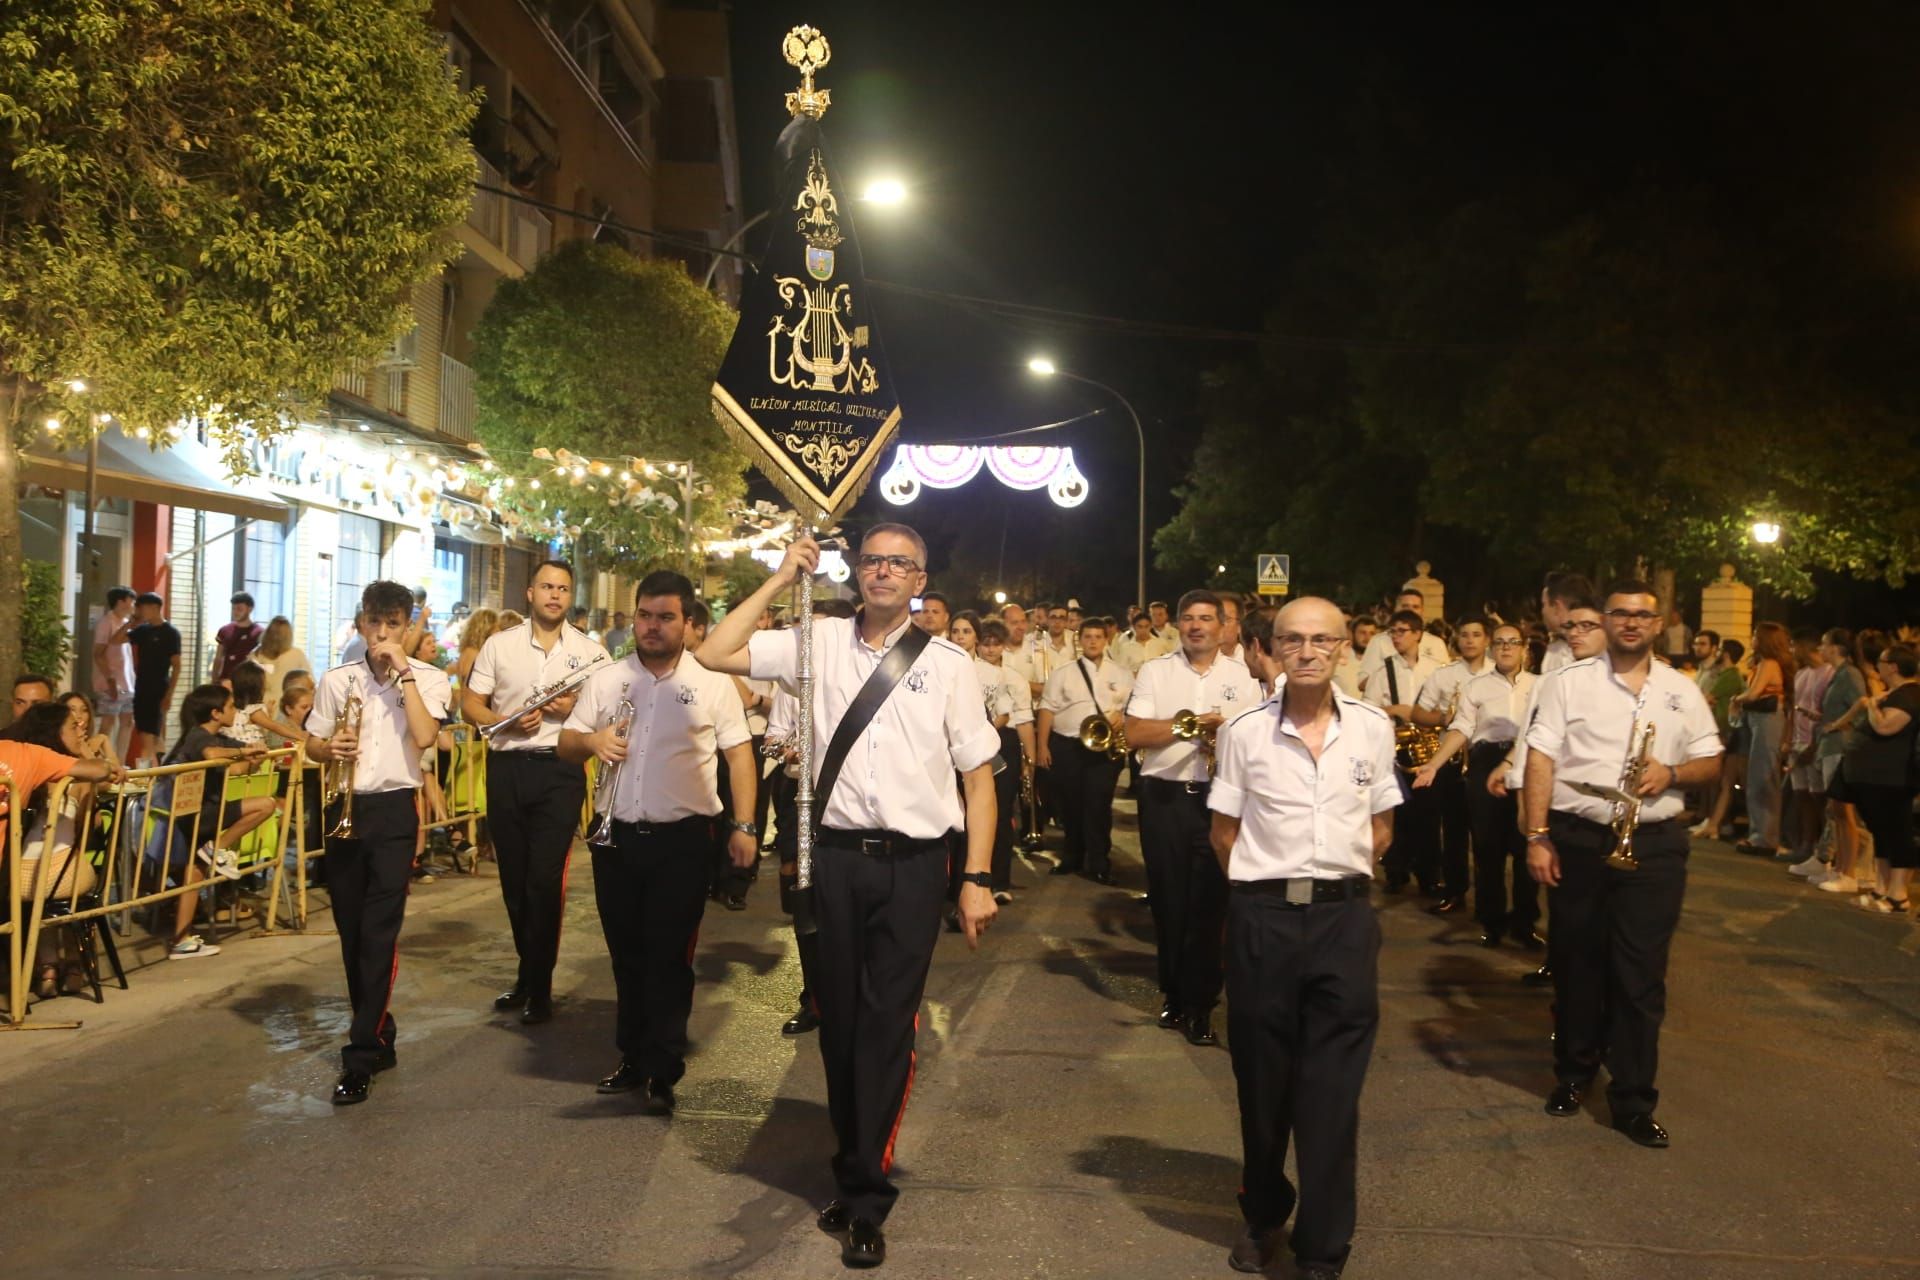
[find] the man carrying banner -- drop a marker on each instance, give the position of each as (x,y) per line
(879,861)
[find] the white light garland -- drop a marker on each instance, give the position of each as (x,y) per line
(948,466)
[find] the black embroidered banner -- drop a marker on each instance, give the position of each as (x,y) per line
(804,387)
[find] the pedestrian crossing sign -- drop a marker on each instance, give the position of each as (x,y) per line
(1272,573)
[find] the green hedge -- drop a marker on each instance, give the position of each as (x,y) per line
(45,642)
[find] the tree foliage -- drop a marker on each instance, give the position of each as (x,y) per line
(606,356)
(209,206)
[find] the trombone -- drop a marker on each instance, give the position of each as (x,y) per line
(337,781)
(601,835)
(543,695)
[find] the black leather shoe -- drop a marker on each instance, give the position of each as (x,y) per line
(510,999)
(800,1023)
(1564,1100)
(1541,977)
(736,902)
(1170,1019)
(1644,1130)
(539,1009)
(834,1218)
(387,1060)
(625,1079)
(659,1097)
(1063,869)
(1531,940)
(354,1087)
(865,1246)
(1254,1250)
(1200,1029)
(1103,877)
(1490,940)
(1447,907)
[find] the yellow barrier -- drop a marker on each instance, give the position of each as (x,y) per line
(466,789)
(10,853)
(122,868)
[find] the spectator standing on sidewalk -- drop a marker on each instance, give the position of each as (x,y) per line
(237,640)
(1807,791)
(276,657)
(1879,776)
(1846,687)
(1760,707)
(155,646)
(113,671)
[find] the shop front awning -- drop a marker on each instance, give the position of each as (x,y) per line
(184,474)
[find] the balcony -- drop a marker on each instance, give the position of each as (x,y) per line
(456,399)
(532,236)
(510,233)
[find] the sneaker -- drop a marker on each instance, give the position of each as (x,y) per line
(1701,830)
(1837,883)
(191,947)
(1820,877)
(1808,868)
(220,861)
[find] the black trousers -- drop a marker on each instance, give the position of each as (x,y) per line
(1415,849)
(1006,814)
(533,810)
(1083,784)
(651,888)
(726,880)
(369,876)
(1611,933)
(1450,795)
(879,916)
(1302,1008)
(1186,891)
(1499,850)
(799,905)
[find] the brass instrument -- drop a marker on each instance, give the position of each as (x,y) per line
(601,834)
(1625,798)
(1102,737)
(543,695)
(1413,744)
(777,749)
(1029,798)
(1187,728)
(337,782)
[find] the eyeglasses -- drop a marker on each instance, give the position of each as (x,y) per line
(893,564)
(1581,628)
(1509,644)
(1637,616)
(1319,644)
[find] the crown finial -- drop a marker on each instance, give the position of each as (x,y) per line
(806,48)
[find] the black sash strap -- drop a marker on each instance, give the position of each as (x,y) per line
(878,688)
(1091,691)
(1393,684)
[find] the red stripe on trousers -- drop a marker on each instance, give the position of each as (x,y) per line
(913,1063)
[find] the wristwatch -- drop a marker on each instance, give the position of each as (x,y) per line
(746,827)
(981,878)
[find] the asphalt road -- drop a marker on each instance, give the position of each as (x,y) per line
(1053,1132)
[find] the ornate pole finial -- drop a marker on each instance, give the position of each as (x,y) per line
(806,48)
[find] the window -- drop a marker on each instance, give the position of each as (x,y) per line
(260,569)
(356,562)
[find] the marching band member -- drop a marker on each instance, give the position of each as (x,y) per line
(534,798)
(1557,595)
(1162,622)
(1416,833)
(1186,888)
(659,722)
(1360,633)
(1434,709)
(1612,925)
(1083,780)
(1374,659)
(879,866)
(1492,715)
(1302,802)
(401,704)
(1011,710)
(1139,644)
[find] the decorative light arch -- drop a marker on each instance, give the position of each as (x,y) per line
(948,466)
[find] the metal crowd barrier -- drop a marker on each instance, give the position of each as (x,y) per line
(10,853)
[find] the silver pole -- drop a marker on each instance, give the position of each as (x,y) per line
(803,728)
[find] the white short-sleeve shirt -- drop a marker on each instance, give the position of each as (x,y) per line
(1373,662)
(1408,678)
(1442,687)
(899,775)
(1072,690)
(512,664)
(1583,717)
(1493,708)
(1170,684)
(1005,693)
(681,722)
(1302,818)
(388,760)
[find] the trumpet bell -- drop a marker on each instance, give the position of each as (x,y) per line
(1096,733)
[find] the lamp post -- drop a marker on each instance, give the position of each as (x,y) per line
(882,191)
(1047,369)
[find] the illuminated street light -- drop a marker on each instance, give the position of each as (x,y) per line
(1045,368)
(1765,532)
(887,191)
(999,597)
(77,386)
(1042,366)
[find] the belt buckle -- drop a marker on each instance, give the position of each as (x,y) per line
(1299,893)
(872,847)
(1194,788)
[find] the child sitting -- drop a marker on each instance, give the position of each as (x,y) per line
(207,712)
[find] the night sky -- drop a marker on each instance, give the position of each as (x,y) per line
(1161,165)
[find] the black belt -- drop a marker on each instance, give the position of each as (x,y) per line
(661,828)
(538,753)
(877,843)
(1171,787)
(1301,892)
(1651,828)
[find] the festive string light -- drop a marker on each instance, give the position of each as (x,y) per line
(950,466)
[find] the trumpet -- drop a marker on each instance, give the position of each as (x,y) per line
(1187,728)
(337,781)
(542,696)
(1626,798)
(601,834)
(1101,736)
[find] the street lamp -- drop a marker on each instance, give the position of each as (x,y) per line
(1765,532)
(999,597)
(1046,368)
(890,192)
